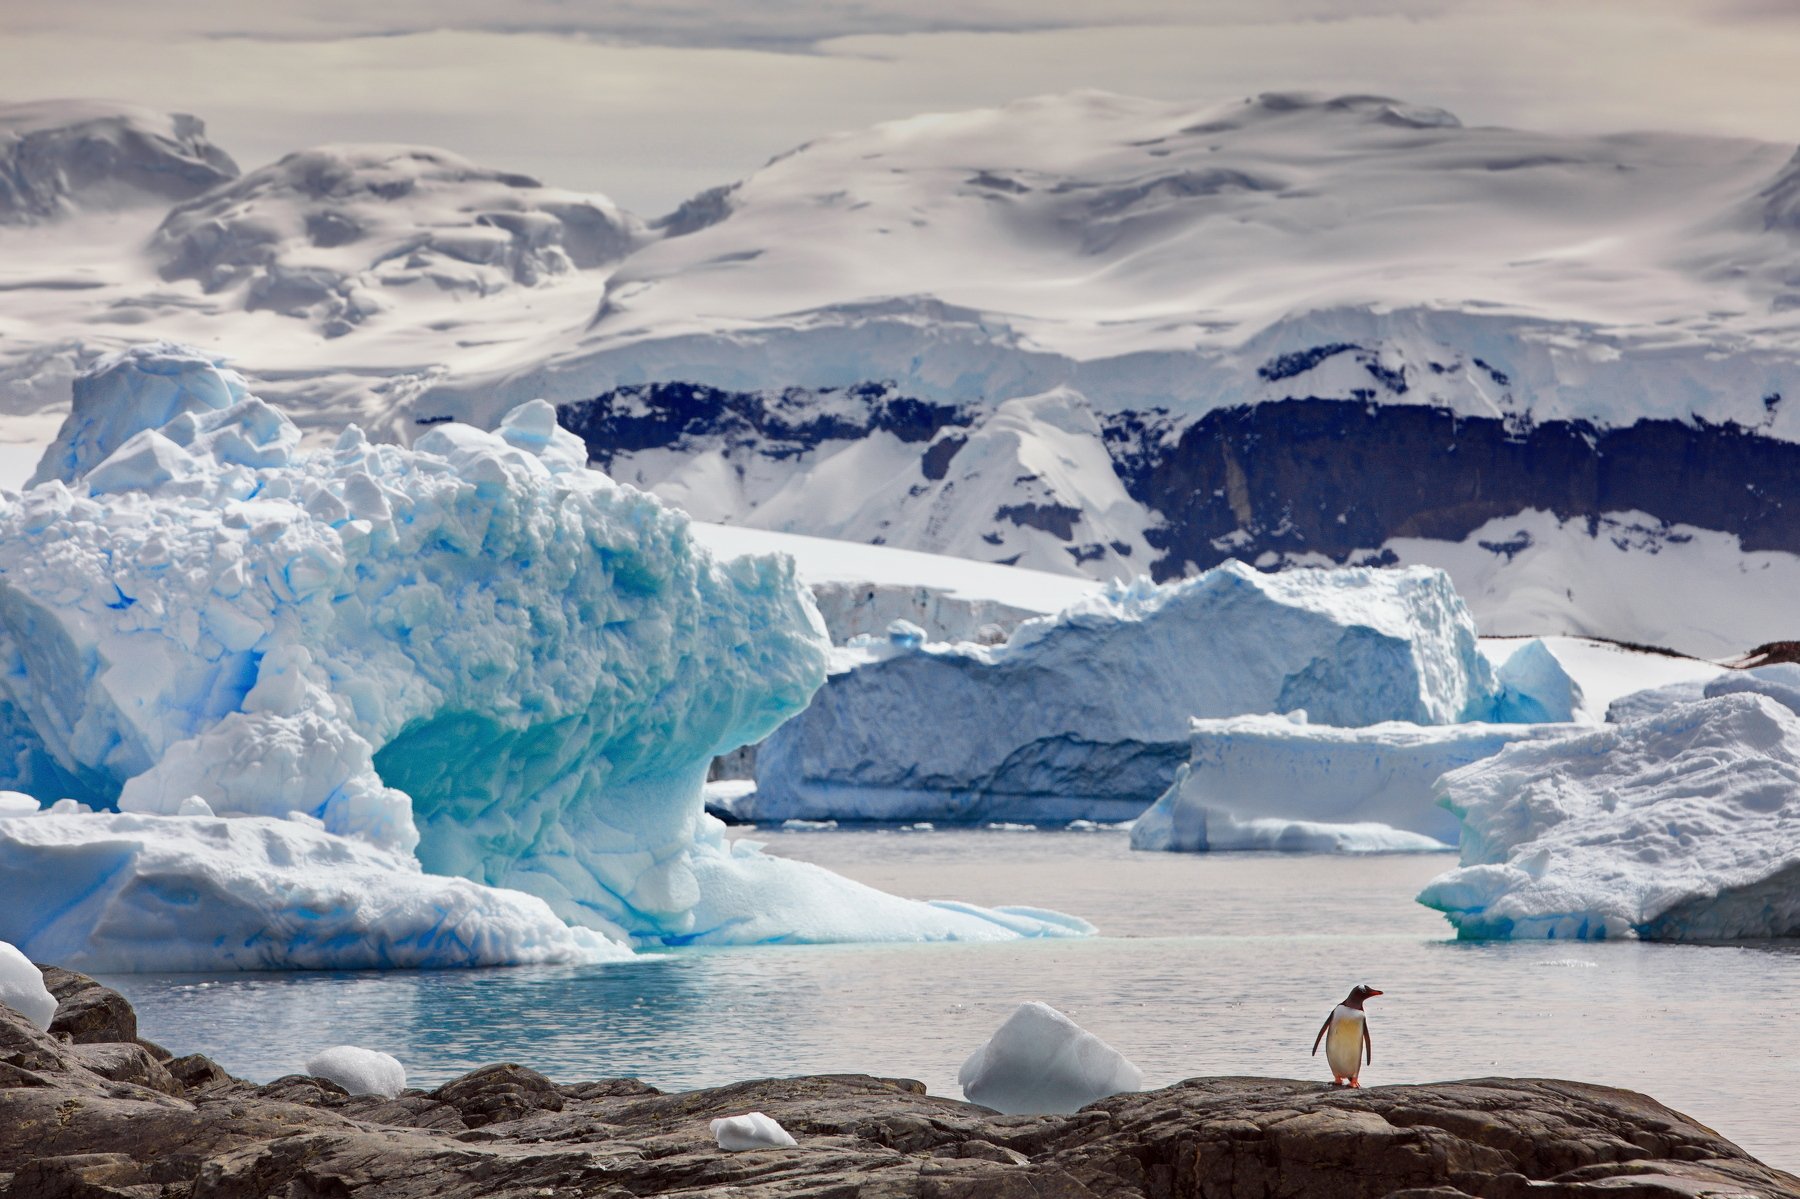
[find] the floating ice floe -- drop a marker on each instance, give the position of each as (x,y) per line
(359,1071)
(1268,782)
(1040,1061)
(22,988)
(124,891)
(752,1130)
(474,648)
(1084,715)
(1684,825)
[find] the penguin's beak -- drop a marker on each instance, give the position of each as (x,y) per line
(1373,992)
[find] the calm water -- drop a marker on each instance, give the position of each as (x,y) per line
(1207,964)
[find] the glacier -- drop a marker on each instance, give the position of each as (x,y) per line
(1678,826)
(474,650)
(1085,714)
(1267,782)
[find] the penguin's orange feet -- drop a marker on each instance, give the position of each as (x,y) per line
(1355,1083)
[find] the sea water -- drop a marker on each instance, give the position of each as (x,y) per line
(1205,964)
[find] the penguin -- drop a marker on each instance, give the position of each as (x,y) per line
(1346,1035)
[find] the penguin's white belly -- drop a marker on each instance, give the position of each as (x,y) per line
(1343,1043)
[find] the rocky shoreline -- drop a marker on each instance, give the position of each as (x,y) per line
(90,1111)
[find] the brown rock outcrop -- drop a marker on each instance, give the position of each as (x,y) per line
(108,1120)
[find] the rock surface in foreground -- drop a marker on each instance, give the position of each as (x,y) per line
(103,1119)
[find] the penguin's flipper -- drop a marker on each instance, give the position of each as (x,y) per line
(1368,1043)
(1321,1035)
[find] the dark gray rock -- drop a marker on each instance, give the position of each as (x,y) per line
(107,1121)
(86,1012)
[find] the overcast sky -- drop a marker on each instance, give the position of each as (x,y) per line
(650,101)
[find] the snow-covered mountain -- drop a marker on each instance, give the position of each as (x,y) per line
(1084,333)
(58,157)
(329,235)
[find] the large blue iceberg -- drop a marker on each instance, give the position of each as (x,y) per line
(475,650)
(1086,714)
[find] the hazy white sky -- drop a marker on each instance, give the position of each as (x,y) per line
(650,101)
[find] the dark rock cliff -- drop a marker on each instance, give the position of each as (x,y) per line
(1330,476)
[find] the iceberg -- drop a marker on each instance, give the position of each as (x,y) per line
(1084,714)
(1780,682)
(22,988)
(474,650)
(1041,1062)
(117,892)
(359,1071)
(1267,782)
(1677,827)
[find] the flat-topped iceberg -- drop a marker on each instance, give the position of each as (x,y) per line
(1267,782)
(1085,714)
(475,648)
(1680,826)
(120,892)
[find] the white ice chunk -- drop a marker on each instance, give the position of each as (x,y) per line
(1780,682)
(22,988)
(359,1071)
(532,427)
(1222,832)
(1040,1061)
(1679,826)
(143,387)
(1648,702)
(1266,782)
(752,1130)
(114,892)
(1535,688)
(15,803)
(1085,714)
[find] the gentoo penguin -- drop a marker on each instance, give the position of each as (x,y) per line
(1346,1035)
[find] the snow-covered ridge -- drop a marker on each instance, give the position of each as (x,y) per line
(329,233)
(61,156)
(1200,256)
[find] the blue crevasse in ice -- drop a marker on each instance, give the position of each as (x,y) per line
(474,648)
